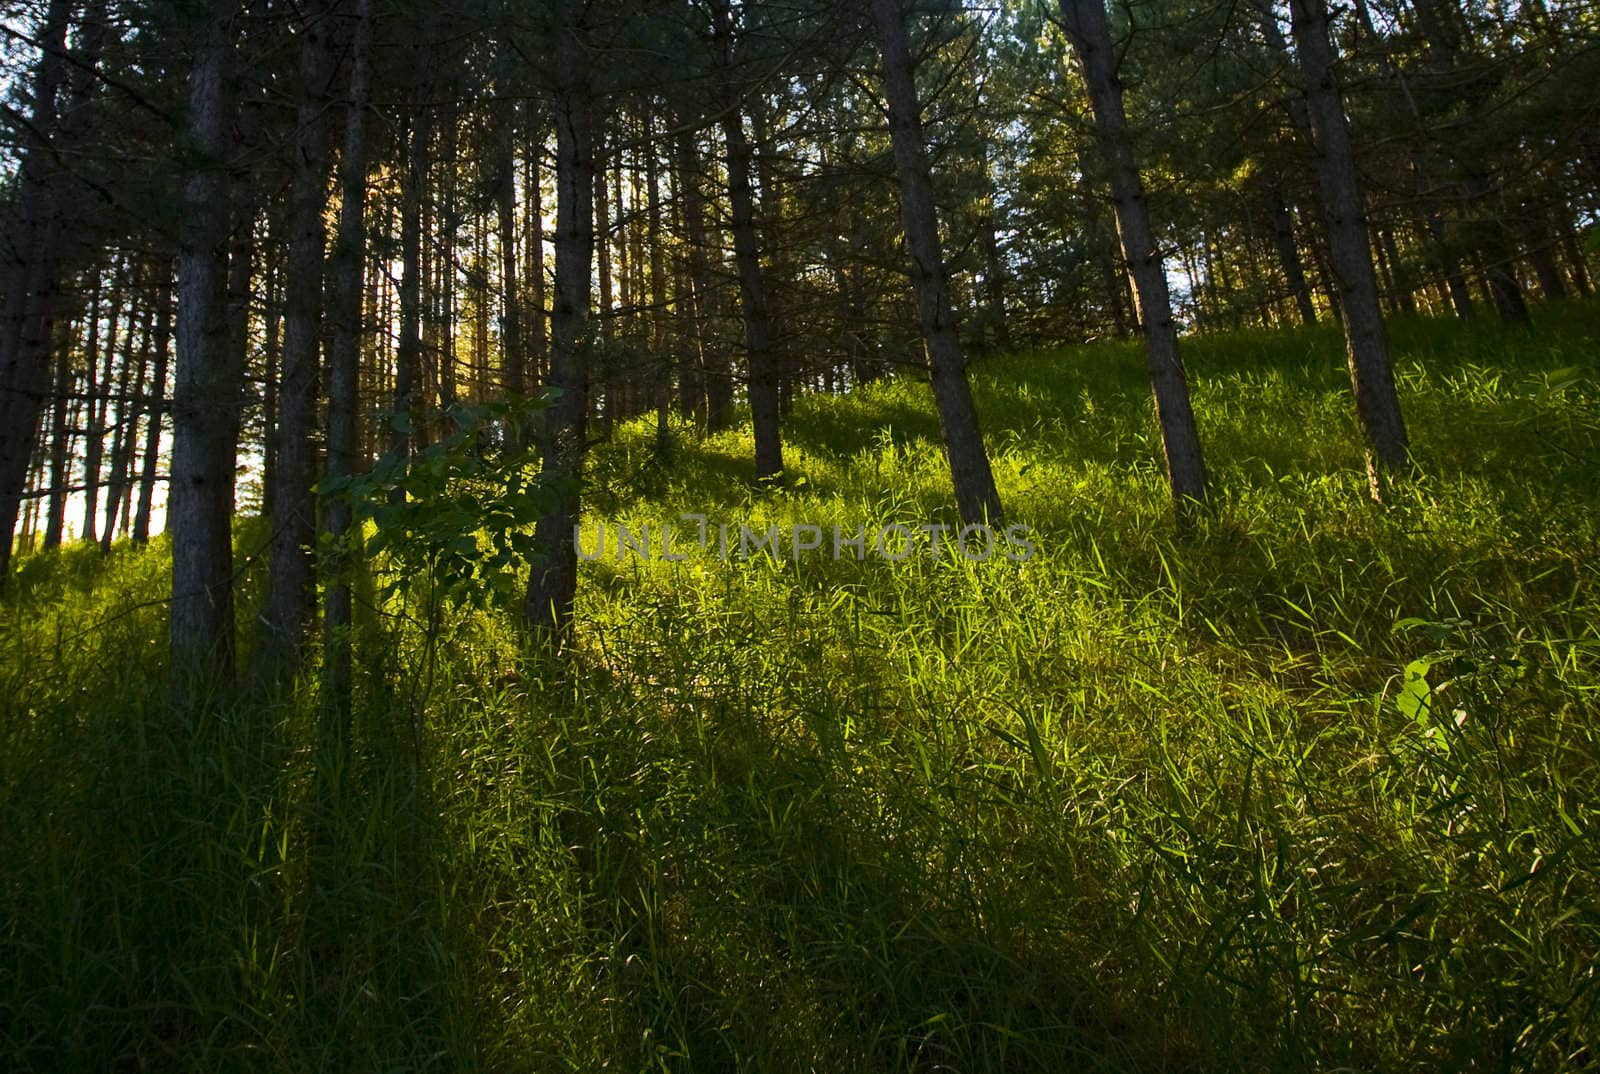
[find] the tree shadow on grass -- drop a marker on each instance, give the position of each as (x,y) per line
(160,911)
(766,907)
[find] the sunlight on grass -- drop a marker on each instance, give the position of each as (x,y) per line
(1315,788)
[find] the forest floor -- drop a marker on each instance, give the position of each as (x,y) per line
(1317,787)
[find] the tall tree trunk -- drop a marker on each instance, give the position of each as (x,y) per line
(1366,342)
(866,364)
(612,385)
(206,398)
(96,407)
(630,242)
(660,352)
(768,215)
(127,427)
(1294,272)
(706,395)
(513,361)
(33,230)
(344,369)
(1085,24)
(439,352)
(1542,246)
(533,180)
(290,600)
(994,279)
(61,438)
(977,499)
(1444,31)
(1572,247)
(553,581)
(1399,277)
(763,381)
(478,280)
(271,369)
(407,418)
(1499,252)
(1455,280)
(630,265)
(158,404)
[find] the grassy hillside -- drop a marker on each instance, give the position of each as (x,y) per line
(1316,788)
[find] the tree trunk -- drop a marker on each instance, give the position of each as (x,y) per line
(706,394)
(96,405)
(206,397)
(629,251)
(533,179)
(660,352)
(1542,252)
(61,437)
(763,383)
(553,581)
(34,227)
(1455,280)
(271,368)
(344,368)
(1444,29)
(613,387)
(977,499)
(439,348)
(1499,252)
(127,426)
(408,358)
(1572,247)
(767,214)
(994,278)
(1086,29)
(290,599)
(514,363)
(1294,272)
(1399,284)
(1366,342)
(158,405)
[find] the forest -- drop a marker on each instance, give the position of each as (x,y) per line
(800,535)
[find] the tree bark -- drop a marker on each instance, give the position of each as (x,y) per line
(977,499)
(127,425)
(95,404)
(706,388)
(1085,24)
(158,405)
(533,180)
(207,388)
(290,600)
(1400,283)
(513,361)
(1572,247)
(344,369)
(1294,272)
(994,281)
(612,386)
(61,437)
(553,580)
(1542,255)
(1455,280)
(1366,342)
(762,380)
(31,282)
(660,352)
(408,358)
(271,367)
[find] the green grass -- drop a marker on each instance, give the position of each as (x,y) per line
(1138,804)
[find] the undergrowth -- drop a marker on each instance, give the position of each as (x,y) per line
(1314,788)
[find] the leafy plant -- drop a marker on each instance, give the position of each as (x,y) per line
(460,511)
